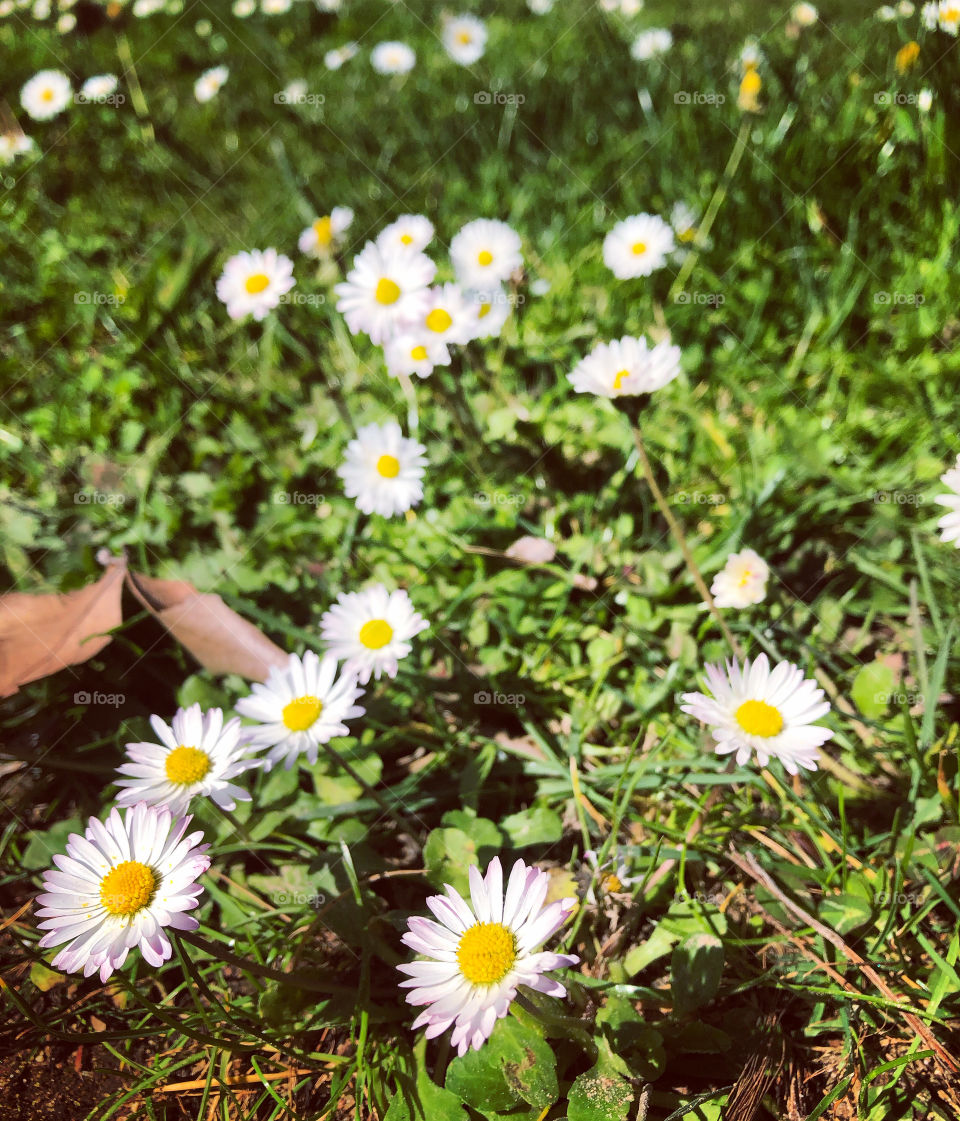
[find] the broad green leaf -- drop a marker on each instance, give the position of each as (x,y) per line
(872,689)
(695,972)
(536,826)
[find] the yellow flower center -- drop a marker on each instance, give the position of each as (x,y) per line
(484,257)
(687,235)
(464,37)
(757,718)
(47,95)
(323,228)
(302,713)
(439,320)
(751,83)
(612,883)
(619,379)
(486,953)
(375,634)
(128,888)
(388,466)
(484,310)
(187,765)
(745,577)
(419,354)
(387,292)
(257,283)
(639,247)
(406,239)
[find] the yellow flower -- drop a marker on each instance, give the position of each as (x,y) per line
(907,56)
(750,86)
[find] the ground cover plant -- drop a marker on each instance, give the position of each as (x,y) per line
(478,514)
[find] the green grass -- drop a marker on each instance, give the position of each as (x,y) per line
(811,423)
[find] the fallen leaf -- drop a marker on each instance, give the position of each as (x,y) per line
(221,640)
(42,634)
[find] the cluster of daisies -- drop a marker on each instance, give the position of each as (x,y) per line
(49,92)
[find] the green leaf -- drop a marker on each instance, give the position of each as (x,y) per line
(447,856)
(845,912)
(599,1095)
(426,1102)
(536,826)
(872,688)
(42,847)
(479,1081)
(515,1064)
(660,942)
(695,972)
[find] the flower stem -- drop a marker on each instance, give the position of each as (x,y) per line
(681,540)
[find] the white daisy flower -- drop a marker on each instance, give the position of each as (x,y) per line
(243,9)
(929,15)
(322,235)
(684,221)
(299,707)
(98,88)
(540,7)
(384,290)
(334,59)
(906,8)
(649,44)
(485,253)
(13,145)
(630,8)
(949,16)
(409,231)
(197,757)
(414,353)
(46,94)
(464,38)
(491,310)
(613,875)
(392,58)
(755,710)
(480,952)
(805,15)
(66,23)
(637,246)
(449,317)
(275,7)
(949,524)
(369,631)
(383,470)
(118,886)
(41,9)
(143,8)
(626,367)
(742,582)
(925,100)
(750,55)
(252,283)
(209,84)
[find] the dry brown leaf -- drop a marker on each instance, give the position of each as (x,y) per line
(42,634)
(221,640)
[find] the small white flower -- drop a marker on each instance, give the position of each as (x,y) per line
(243,9)
(253,282)
(540,7)
(949,524)
(949,16)
(929,15)
(447,317)
(98,88)
(465,39)
(754,709)
(384,290)
(613,875)
(905,9)
(370,631)
(886,13)
(383,470)
(392,58)
(143,8)
(491,310)
(414,353)
(117,888)
(630,8)
(637,246)
(626,367)
(300,706)
(334,59)
(197,757)
(409,231)
(649,44)
(684,221)
(210,82)
(806,15)
(66,22)
(326,232)
(925,100)
(485,253)
(742,582)
(481,952)
(46,94)
(275,7)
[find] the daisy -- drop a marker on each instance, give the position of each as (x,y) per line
(929,15)
(415,353)
(198,757)
(948,15)
(334,59)
(465,39)
(243,9)
(275,7)
(392,58)
(742,581)
(480,952)
(66,23)
(950,523)
(485,253)
(755,710)
(370,631)
(409,231)
(383,470)
(448,316)
(46,94)
(252,283)
(118,886)
(684,221)
(300,706)
(637,246)
(209,84)
(649,44)
(613,878)
(98,88)
(324,233)
(626,367)
(805,15)
(385,289)
(491,310)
